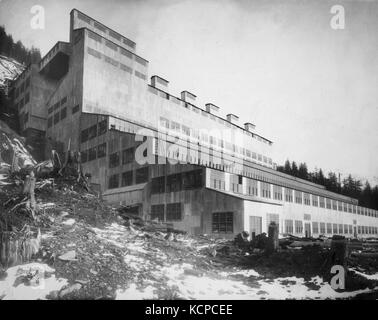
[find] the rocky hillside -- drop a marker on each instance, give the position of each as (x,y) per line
(9,70)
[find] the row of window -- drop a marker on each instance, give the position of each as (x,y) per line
(115,63)
(164,121)
(102,28)
(94,131)
(23,87)
(213,141)
(60,115)
(25,100)
(327,228)
(367,230)
(169,212)
(141,176)
(317,201)
(94,153)
(57,105)
(127,157)
(177,182)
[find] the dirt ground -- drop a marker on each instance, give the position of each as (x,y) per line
(89,252)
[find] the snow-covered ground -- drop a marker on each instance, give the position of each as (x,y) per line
(29,282)
(164,279)
(9,69)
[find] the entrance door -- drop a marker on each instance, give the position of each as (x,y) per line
(255,225)
(308,229)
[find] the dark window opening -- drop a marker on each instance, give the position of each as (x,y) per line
(223,222)
(141,175)
(173,211)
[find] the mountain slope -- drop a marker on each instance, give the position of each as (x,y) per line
(9,70)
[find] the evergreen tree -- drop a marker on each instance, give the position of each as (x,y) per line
(294,169)
(287,167)
(302,171)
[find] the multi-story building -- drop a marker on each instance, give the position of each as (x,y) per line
(163,156)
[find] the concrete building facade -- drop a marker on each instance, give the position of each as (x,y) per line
(163,156)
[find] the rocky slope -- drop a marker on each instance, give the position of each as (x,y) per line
(9,70)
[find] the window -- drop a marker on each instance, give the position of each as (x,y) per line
(329,228)
(157,212)
(158,185)
(92,132)
(314,200)
(84,156)
(63,113)
(175,126)
(340,229)
(173,211)
(334,204)
(174,182)
(140,60)
(223,222)
(346,228)
(56,118)
(102,127)
(126,53)
(334,227)
(298,226)
(345,207)
(306,199)
(50,110)
(315,227)
(321,202)
(142,175)
(288,195)
(99,27)
(63,101)
(277,192)
(265,190)
(84,135)
(192,179)
(94,36)
(328,203)
(128,155)
(298,196)
(101,150)
(140,75)
(252,187)
(125,68)
(186,130)
(289,226)
(75,109)
(111,45)
(322,228)
(127,178)
(49,122)
(340,206)
(113,181)
(92,153)
(114,160)
(94,53)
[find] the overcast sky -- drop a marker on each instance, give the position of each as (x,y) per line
(311,89)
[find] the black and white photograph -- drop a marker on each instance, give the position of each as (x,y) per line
(188,150)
